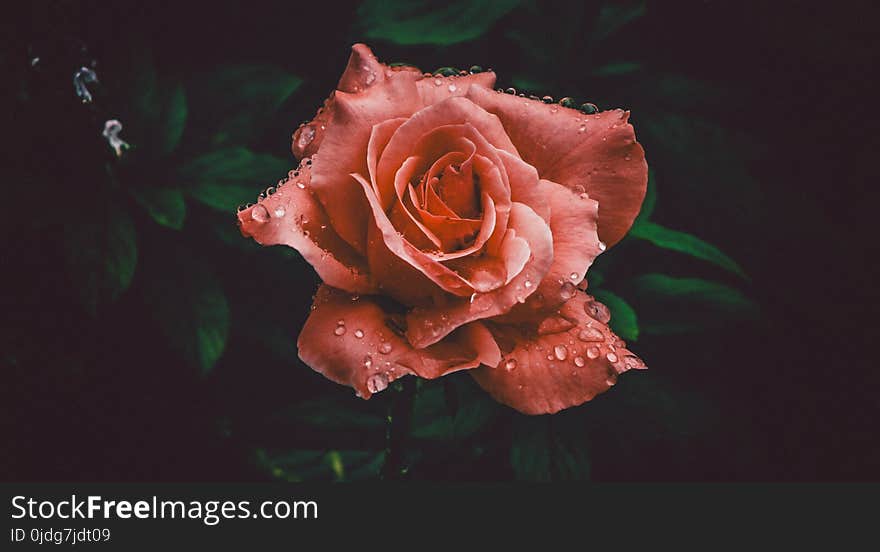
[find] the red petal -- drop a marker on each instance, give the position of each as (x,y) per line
(426,326)
(575,247)
(292,216)
(343,152)
(547,372)
(597,153)
(349,340)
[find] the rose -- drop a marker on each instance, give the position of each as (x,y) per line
(453,227)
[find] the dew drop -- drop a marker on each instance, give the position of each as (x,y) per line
(602,246)
(370,78)
(475,69)
(593,352)
(574,276)
(510,364)
(280,212)
(633,363)
(306,135)
(598,311)
(611,357)
(359,333)
(611,381)
(340,330)
(438,82)
(385,348)
(368,361)
(579,361)
(589,108)
(547,99)
(452,88)
(568,290)
(510,90)
(260,214)
(591,334)
(527,284)
(560,352)
(377,383)
(567,102)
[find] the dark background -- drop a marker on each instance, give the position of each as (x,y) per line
(791,396)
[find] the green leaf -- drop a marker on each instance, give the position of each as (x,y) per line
(617,68)
(612,17)
(226,178)
(530,450)
(684,243)
(233,104)
(165,205)
(173,119)
(190,308)
(101,255)
(542,452)
(623,317)
(330,414)
(451,409)
(431,22)
(331,465)
(679,305)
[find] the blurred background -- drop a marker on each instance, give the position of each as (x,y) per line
(145,340)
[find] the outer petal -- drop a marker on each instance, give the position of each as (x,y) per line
(575,246)
(559,365)
(426,326)
(596,153)
(344,151)
(352,340)
(292,216)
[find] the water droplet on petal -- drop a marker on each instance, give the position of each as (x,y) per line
(510,364)
(385,348)
(370,78)
(438,82)
(567,102)
(598,311)
(591,334)
(568,290)
(602,246)
(475,69)
(301,185)
(377,383)
(560,352)
(593,352)
(510,90)
(527,284)
(579,361)
(368,361)
(306,135)
(633,363)
(574,276)
(260,214)
(340,330)
(279,211)
(547,99)
(359,333)
(589,108)
(452,88)
(611,357)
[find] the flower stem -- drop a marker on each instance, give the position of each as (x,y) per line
(397,425)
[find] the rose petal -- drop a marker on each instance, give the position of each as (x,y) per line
(292,216)
(596,152)
(391,258)
(427,325)
(575,246)
(545,373)
(434,89)
(414,136)
(343,151)
(352,341)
